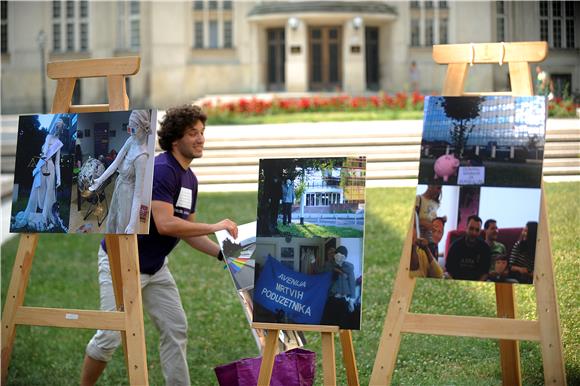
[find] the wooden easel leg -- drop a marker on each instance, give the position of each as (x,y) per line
(455,79)
(63,95)
(509,350)
(268,358)
(348,357)
(547,304)
(115,266)
(328,359)
(133,304)
(398,306)
(15,296)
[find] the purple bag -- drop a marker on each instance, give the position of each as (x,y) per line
(296,367)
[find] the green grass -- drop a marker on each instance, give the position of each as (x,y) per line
(313,230)
(65,275)
(330,116)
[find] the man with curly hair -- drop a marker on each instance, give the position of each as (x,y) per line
(173,205)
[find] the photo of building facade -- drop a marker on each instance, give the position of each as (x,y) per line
(190,50)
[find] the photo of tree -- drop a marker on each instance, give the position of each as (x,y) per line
(489,140)
(311,197)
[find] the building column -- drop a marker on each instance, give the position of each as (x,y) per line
(296,57)
(353,58)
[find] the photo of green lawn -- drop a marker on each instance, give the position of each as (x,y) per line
(65,275)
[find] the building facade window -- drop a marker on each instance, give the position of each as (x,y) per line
(443,28)
(500,19)
(415,33)
(198,26)
(129,25)
(212,24)
(429,38)
(557,23)
(429,23)
(4,26)
(228,43)
(70,29)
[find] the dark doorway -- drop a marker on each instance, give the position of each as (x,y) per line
(101,138)
(276,59)
(325,58)
(562,84)
(372,58)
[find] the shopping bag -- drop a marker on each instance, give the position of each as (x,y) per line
(295,367)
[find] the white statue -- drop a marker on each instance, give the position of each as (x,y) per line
(45,182)
(130,162)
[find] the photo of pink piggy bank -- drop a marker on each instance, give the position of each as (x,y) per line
(446,166)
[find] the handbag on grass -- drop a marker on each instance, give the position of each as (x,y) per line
(295,367)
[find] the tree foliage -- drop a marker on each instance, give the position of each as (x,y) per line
(461,110)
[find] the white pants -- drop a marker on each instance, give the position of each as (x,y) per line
(162,302)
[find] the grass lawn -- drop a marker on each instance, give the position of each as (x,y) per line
(327,116)
(313,230)
(65,275)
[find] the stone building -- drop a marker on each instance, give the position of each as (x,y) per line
(191,49)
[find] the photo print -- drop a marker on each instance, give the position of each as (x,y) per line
(483,141)
(239,259)
(77,178)
(43,173)
(311,197)
(475,233)
(314,281)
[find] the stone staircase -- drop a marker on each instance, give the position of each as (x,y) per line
(232,153)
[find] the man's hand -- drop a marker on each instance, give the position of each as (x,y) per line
(229,226)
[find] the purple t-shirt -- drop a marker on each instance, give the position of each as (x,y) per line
(177,186)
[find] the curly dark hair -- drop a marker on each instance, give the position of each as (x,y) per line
(176,121)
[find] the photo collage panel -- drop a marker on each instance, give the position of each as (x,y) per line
(309,244)
(84,173)
(478,199)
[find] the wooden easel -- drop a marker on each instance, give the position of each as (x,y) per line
(124,271)
(328,357)
(506,328)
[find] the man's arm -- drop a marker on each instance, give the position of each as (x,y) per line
(169,225)
(202,243)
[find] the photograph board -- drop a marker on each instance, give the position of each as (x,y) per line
(478,199)
(309,248)
(84,172)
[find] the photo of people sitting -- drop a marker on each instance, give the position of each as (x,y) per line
(477,234)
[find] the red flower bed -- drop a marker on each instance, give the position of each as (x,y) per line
(255,106)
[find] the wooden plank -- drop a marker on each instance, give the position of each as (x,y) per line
(509,349)
(118,99)
(399,304)
(63,95)
(71,318)
(112,242)
(521,78)
(295,327)
(348,358)
(268,357)
(490,52)
(15,296)
(89,108)
(471,326)
(547,304)
(455,79)
(328,359)
(90,68)
(133,307)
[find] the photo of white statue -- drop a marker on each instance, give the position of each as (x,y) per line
(39,174)
(84,173)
